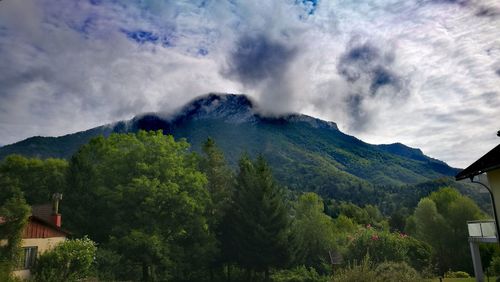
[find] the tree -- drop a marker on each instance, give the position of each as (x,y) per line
(71,260)
(313,237)
(142,197)
(258,219)
(220,180)
(14,213)
(441,221)
(38,179)
(220,186)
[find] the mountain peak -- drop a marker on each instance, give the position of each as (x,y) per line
(231,107)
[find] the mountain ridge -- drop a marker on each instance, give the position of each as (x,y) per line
(295,144)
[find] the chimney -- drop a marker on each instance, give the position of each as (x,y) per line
(56,216)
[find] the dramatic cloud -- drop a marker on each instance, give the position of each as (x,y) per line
(257,59)
(421,72)
(367,69)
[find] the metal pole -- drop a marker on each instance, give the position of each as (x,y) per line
(494,206)
(476,261)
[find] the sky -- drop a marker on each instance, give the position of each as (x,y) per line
(425,73)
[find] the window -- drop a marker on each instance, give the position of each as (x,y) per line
(28,258)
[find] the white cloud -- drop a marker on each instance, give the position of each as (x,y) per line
(71,66)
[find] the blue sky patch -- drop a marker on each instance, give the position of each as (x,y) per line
(142,36)
(202,51)
(311,5)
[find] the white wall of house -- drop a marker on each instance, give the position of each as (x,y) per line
(494,183)
(43,245)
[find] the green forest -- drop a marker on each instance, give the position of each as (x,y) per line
(145,207)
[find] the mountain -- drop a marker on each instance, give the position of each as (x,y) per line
(305,153)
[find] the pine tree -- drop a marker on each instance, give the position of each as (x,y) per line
(220,180)
(220,186)
(258,221)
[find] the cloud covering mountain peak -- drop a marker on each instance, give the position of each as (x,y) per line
(420,72)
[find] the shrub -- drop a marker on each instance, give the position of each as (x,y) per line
(69,261)
(456,274)
(356,272)
(383,272)
(385,246)
(298,274)
(397,272)
(494,266)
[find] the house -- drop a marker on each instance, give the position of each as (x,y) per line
(42,233)
(486,172)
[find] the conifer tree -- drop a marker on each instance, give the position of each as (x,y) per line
(259,220)
(220,185)
(220,180)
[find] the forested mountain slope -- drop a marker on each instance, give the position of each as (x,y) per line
(305,153)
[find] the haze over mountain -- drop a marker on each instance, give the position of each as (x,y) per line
(306,153)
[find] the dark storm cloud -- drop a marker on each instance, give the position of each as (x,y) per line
(367,61)
(368,70)
(384,77)
(353,62)
(359,117)
(497,72)
(259,58)
(489,12)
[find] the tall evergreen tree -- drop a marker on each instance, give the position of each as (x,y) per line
(259,220)
(220,185)
(220,180)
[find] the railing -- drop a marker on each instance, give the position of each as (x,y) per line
(482,228)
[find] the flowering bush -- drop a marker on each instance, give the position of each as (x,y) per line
(384,246)
(69,261)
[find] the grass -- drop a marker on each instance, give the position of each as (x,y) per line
(472,279)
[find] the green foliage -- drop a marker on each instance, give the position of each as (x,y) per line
(456,274)
(258,218)
(441,221)
(383,272)
(220,179)
(108,263)
(306,155)
(313,237)
(367,215)
(14,213)
(38,179)
(495,266)
(69,261)
(396,272)
(157,209)
(385,246)
(397,220)
(298,274)
(142,197)
(362,271)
